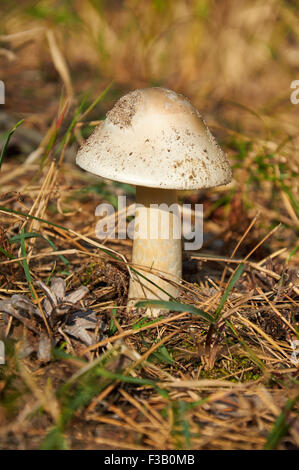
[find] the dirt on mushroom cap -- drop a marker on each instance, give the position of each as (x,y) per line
(124,110)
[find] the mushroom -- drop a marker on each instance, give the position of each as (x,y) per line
(156,140)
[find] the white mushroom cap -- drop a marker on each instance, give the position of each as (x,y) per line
(155,138)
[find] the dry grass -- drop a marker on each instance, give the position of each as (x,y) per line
(177,383)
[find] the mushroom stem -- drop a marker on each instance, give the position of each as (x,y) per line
(157,245)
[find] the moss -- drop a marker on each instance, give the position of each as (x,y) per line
(87,276)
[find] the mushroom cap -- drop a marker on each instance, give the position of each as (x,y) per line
(156,138)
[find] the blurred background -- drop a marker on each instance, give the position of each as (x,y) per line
(225,56)
(234,60)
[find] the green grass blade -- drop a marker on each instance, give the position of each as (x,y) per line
(292,253)
(10,133)
(142,322)
(162,355)
(281,426)
(251,355)
(25,264)
(33,217)
(96,101)
(17,238)
(6,253)
(71,126)
(238,273)
(112,326)
(151,282)
(54,440)
(127,378)
(176,307)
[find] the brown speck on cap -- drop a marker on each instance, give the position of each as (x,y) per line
(124,110)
